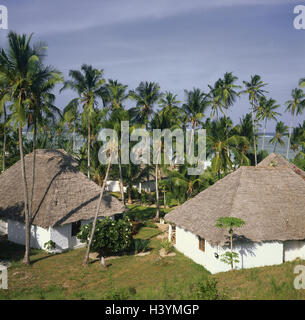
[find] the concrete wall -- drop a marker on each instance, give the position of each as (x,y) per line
(3,227)
(294,249)
(250,254)
(16,233)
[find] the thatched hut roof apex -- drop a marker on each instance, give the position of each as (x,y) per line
(268,197)
(62,194)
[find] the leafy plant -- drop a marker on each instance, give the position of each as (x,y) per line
(140,245)
(110,236)
(49,245)
(230,223)
(167,246)
(207,290)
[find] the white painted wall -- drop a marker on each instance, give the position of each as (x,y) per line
(294,249)
(16,233)
(250,254)
(61,235)
(3,227)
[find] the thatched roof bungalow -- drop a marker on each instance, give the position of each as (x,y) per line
(268,197)
(64,199)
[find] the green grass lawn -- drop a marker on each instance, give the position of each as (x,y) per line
(62,276)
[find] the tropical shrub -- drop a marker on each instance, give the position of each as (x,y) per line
(167,246)
(207,290)
(49,245)
(140,245)
(110,236)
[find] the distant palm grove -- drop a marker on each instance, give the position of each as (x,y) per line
(27,105)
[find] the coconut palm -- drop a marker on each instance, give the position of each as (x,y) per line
(266,111)
(146,95)
(281,131)
(255,91)
(17,65)
(227,90)
(223,143)
(40,104)
(116,94)
(295,106)
(88,83)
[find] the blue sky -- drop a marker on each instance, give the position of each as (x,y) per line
(179,44)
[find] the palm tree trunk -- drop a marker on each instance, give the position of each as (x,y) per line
(129,194)
(157,195)
(164,199)
(4,140)
(33,171)
(254,139)
(89,140)
(263,144)
(275,146)
(289,138)
(85,262)
(26,258)
(231,244)
(121,180)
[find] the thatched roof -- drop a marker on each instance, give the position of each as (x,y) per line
(62,193)
(268,197)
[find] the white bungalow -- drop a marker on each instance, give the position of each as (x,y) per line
(64,199)
(268,197)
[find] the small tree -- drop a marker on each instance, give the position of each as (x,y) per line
(110,236)
(230,223)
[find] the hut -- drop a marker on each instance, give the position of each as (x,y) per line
(64,199)
(268,197)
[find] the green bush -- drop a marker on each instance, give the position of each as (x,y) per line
(167,246)
(110,236)
(49,245)
(140,245)
(207,290)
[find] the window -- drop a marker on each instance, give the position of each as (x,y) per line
(75,228)
(201,244)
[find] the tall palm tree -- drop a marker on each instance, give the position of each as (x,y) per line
(88,83)
(295,106)
(41,103)
(116,94)
(227,90)
(255,91)
(194,107)
(17,64)
(281,130)
(146,95)
(266,111)
(222,145)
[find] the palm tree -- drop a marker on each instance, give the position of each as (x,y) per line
(227,90)
(222,141)
(17,64)
(89,85)
(255,92)
(194,107)
(281,130)
(116,94)
(41,103)
(266,111)
(146,95)
(295,106)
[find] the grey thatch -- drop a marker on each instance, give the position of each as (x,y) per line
(268,197)
(62,193)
